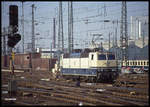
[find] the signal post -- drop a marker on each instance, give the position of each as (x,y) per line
(13,39)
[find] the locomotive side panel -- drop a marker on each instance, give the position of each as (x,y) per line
(84,63)
(109,63)
(65,63)
(93,61)
(74,63)
(71,63)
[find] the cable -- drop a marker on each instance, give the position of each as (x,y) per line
(86,17)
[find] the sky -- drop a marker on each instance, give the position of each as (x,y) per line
(94,12)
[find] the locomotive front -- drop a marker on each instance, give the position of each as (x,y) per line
(106,65)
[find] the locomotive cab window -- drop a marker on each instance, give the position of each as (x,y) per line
(101,57)
(111,57)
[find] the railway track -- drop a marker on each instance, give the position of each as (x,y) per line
(67,92)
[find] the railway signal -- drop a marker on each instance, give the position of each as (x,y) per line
(13,40)
(14,37)
(13,17)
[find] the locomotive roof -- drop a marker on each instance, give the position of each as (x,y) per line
(78,53)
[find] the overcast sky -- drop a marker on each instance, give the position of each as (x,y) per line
(82,11)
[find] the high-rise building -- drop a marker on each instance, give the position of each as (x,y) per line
(139,27)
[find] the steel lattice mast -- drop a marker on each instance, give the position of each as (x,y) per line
(22,27)
(70,27)
(60,29)
(33,36)
(124,35)
(54,33)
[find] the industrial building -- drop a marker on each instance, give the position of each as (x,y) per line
(139,27)
(47,53)
(137,50)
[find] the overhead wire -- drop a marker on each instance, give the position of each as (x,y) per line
(93,16)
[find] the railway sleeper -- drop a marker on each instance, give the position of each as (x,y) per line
(120,99)
(129,95)
(126,91)
(90,100)
(70,101)
(119,83)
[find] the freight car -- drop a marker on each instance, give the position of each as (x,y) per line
(95,66)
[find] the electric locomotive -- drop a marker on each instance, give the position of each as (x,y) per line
(93,65)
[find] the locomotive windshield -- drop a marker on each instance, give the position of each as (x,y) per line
(111,57)
(101,57)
